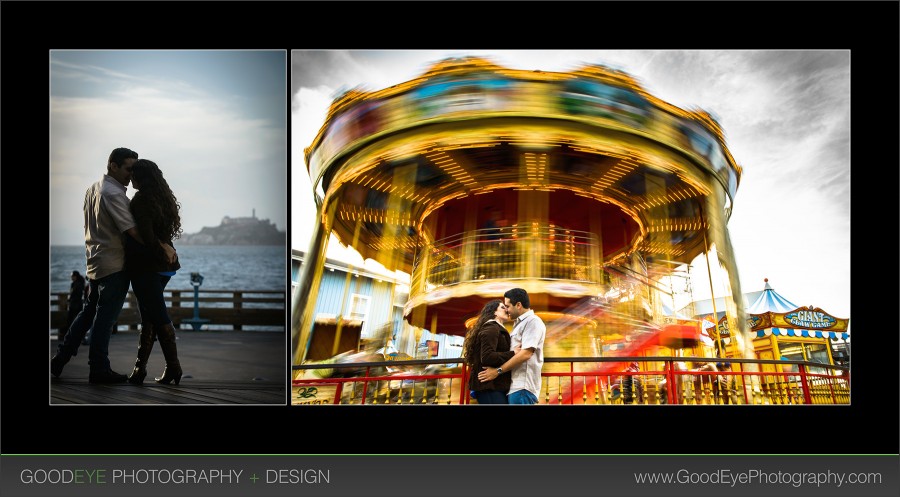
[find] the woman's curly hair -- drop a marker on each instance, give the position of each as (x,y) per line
(165,206)
(487,313)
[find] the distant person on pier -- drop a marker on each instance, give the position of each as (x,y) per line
(106,219)
(487,343)
(76,302)
(632,386)
(527,340)
(629,387)
(155,211)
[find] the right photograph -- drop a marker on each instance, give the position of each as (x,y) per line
(570,227)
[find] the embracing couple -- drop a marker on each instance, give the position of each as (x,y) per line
(508,366)
(126,242)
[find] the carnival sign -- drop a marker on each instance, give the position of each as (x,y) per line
(722,328)
(809,318)
(755,320)
(759,321)
(714,330)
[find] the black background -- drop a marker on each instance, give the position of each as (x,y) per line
(31,29)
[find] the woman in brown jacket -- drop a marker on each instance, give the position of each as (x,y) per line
(487,343)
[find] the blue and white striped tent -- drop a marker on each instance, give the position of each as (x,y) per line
(770,301)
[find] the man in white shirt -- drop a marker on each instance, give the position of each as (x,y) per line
(527,340)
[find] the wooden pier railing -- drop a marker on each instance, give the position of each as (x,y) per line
(234,308)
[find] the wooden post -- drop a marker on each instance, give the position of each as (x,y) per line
(238,304)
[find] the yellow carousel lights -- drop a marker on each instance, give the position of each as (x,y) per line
(475,178)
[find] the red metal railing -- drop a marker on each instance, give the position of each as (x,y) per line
(660,380)
(388,382)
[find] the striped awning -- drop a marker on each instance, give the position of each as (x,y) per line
(789,332)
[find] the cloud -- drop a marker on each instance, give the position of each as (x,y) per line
(104,80)
(217,161)
(88,72)
(317,68)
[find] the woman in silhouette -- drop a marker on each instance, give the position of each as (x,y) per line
(155,210)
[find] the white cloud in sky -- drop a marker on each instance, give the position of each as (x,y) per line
(786,119)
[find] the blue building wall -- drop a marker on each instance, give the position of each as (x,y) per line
(335,297)
(381,310)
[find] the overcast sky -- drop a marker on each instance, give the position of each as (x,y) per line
(786,118)
(214,122)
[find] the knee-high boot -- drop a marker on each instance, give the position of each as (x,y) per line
(166,335)
(145,345)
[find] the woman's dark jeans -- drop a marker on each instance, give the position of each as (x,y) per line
(148,288)
(490,397)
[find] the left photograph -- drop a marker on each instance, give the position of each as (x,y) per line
(168,215)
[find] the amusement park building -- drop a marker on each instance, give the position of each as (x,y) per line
(780,329)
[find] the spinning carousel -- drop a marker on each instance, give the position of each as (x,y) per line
(580,187)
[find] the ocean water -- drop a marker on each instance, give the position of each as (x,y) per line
(223,267)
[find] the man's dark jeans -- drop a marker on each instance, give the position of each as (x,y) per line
(98,315)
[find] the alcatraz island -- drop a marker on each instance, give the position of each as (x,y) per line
(237,231)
